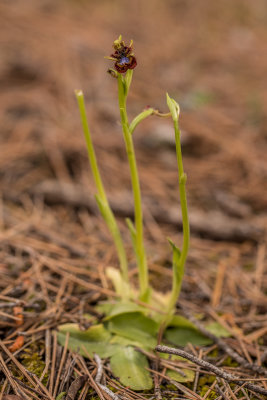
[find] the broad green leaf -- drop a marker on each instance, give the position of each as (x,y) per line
(124,307)
(84,347)
(130,367)
(180,321)
(181,336)
(124,342)
(105,307)
(135,326)
(217,329)
(189,375)
(96,333)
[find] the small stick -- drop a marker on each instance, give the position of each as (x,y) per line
(157,391)
(217,371)
(99,376)
(53,364)
(82,364)
(8,375)
(230,391)
(222,345)
(17,363)
(30,390)
(188,392)
(61,364)
(221,393)
(210,390)
(197,373)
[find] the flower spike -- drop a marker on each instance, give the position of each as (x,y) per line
(123,56)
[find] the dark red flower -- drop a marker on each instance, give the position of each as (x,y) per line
(123,56)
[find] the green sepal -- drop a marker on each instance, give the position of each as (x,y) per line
(127,81)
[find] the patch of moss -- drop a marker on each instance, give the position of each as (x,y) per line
(204,385)
(229,362)
(32,360)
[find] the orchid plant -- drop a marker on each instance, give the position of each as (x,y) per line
(138,318)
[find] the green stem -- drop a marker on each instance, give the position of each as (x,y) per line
(106,210)
(140,250)
(177,275)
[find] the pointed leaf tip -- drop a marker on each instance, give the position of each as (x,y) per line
(175,249)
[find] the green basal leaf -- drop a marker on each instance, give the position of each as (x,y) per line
(217,329)
(122,308)
(180,321)
(181,336)
(96,333)
(135,326)
(189,375)
(85,347)
(124,342)
(130,367)
(105,307)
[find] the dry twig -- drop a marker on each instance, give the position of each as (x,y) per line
(217,371)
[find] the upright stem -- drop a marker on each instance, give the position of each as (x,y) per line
(140,250)
(178,271)
(109,216)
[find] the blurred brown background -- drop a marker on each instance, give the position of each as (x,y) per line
(210,56)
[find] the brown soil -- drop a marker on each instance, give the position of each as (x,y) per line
(211,57)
